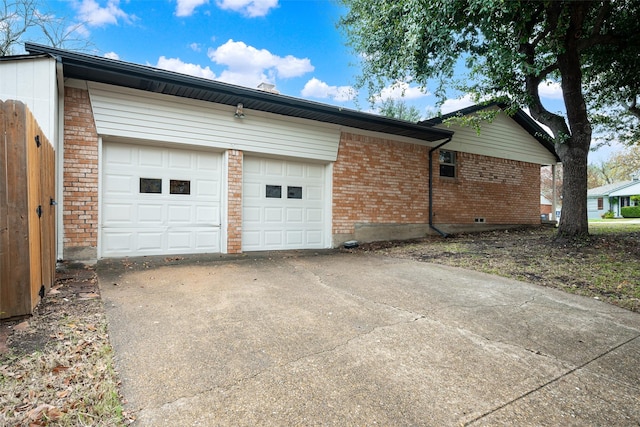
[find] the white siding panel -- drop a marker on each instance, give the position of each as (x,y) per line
(503,138)
(147,116)
(33,82)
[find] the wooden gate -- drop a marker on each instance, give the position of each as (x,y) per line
(27,211)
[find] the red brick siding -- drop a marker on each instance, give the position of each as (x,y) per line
(387,182)
(379,181)
(80,171)
(234,221)
(499,190)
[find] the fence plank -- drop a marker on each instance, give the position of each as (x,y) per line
(4,215)
(17,290)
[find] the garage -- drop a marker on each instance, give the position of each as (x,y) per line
(284,205)
(158,201)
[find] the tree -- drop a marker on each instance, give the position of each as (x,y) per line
(18,17)
(510,48)
(399,110)
(627,163)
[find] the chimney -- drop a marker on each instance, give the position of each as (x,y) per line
(268,87)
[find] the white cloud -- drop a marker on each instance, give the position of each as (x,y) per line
(401,90)
(177,65)
(250,8)
(315,88)
(112,55)
(549,89)
(249,66)
(186,7)
(195,47)
(451,105)
(94,15)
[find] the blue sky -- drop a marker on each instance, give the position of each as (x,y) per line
(293,44)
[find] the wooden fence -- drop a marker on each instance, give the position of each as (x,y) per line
(27,211)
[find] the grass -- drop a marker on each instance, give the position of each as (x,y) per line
(605,266)
(59,369)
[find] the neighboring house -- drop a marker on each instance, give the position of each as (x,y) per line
(612,197)
(152,162)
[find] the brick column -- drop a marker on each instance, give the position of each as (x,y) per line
(80,176)
(234,213)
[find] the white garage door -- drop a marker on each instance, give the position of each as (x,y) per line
(283,205)
(158,201)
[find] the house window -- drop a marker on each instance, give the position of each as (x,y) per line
(274,191)
(600,203)
(151,185)
(448,163)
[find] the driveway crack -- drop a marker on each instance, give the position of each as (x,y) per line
(552,381)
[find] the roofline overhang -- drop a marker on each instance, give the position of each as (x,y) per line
(143,77)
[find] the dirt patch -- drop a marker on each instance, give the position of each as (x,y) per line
(605,265)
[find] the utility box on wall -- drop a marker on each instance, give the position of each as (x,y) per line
(27,211)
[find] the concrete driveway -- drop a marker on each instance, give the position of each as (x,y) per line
(354,339)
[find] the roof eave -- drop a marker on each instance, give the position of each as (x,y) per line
(110,71)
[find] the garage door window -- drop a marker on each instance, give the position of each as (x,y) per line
(274,191)
(150,185)
(179,187)
(294,192)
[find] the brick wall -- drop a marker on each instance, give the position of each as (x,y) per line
(80,210)
(234,221)
(499,190)
(380,181)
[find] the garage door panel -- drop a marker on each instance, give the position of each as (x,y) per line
(294,237)
(178,219)
(314,193)
(179,240)
(295,170)
(180,160)
(151,158)
(295,215)
(273,215)
(313,238)
(274,168)
(207,215)
(119,184)
(283,222)
(206,188)
(149,213)
(273,238)
(121,241)
(207,240)
(180,214)
(120,213)
(149,240)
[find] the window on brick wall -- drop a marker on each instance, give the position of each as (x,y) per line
(448,163)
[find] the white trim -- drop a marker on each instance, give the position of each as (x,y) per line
(100,183)
(329,205)
(224,204)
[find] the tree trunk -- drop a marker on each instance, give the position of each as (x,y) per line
(573,220)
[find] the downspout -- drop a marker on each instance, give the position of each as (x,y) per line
(433,227)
